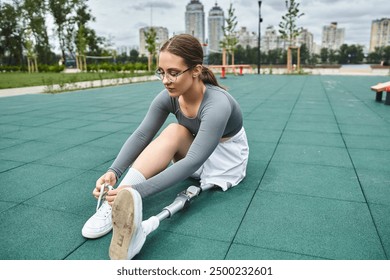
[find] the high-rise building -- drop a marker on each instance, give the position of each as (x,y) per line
(246,38)
(306,37)
(194,19)
(162,36)
(332,37)
(216,23)
(272,40)
(380,33)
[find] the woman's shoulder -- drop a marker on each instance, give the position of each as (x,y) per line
(213,88)
(217,94)
(215,98)
(163,96)
(165,101)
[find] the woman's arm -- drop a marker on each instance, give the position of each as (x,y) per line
(143,135)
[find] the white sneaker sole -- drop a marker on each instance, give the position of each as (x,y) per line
(90,235)
(124,226)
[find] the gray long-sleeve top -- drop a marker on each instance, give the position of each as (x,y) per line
(219,116)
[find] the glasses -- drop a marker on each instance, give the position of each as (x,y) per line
(171,76)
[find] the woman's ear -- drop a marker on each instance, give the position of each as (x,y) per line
(197,71)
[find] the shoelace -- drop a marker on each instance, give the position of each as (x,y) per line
(103,193)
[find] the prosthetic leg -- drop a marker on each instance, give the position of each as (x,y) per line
(182,201)
(129,236)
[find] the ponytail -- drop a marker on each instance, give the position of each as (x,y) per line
(208,77)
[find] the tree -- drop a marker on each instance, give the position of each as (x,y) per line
(95,43)
(324,55)
(380,55)
(34,20)
(32,63)
(386,56)
(134,54)
(376,56)
(288,28)
(357,53)
(11,34)
(62,11)
(240,55)
(275,56)
(352,54)
(343,59)
(314,59)
(215,58)
(229,42)
(91,43)
(83,33)
(81,45)
(150,40)
(333,56)
(305,54)
(71,18)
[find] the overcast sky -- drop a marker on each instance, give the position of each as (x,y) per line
(121,19)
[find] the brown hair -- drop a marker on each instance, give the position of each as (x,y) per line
(189,48)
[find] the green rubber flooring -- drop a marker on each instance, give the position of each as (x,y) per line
(318,182)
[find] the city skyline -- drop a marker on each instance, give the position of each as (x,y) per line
(126,17)
(195,20)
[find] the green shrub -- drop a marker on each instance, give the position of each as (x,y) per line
(6,68)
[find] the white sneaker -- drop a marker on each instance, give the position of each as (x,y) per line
(128,237)
(101,222)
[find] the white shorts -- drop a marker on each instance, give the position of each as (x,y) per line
(226,167)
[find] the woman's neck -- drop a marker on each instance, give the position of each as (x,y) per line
(190,102)
(195,94)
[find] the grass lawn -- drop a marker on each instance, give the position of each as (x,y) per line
(20,79)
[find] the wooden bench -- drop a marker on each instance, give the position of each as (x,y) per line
(223,69)
(379,89)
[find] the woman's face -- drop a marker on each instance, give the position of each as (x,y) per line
(177,76)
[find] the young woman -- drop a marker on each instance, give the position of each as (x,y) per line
(208,142)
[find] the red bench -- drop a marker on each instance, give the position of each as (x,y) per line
(234,67)
(379,89)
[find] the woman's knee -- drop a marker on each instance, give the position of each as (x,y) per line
(175,131)
(178,138)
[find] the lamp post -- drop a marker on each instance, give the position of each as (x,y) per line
(259,40)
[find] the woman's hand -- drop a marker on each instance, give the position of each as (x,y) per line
(111,195)
(108,178)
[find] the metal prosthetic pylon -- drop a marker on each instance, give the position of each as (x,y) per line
(182,201)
